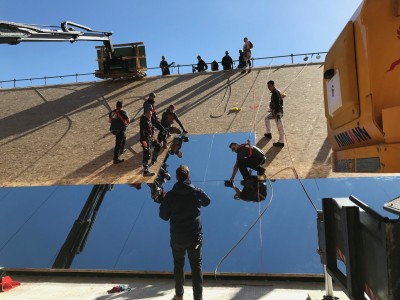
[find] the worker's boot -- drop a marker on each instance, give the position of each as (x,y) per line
(117,161)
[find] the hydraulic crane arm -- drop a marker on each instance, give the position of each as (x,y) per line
(123,61)
(15,33)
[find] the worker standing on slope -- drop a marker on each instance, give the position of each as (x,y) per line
(247,53)
(119,120)
(276,113)
(148,142)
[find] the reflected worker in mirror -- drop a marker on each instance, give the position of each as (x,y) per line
(181,206)
(247,157)
(254,190)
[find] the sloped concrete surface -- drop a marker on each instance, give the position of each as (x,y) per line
(58,135)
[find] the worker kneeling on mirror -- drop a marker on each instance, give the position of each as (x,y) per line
(252,157)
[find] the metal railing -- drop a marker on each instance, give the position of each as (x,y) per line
(178,67)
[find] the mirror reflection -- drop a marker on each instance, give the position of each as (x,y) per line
(118,227)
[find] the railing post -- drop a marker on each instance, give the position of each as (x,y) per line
(178,68)
(15,82)
(76,77)
(45,80)
(292,57)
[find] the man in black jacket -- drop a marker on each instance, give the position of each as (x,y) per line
(276,113)
(181,206)
(164,66)
(247,157)
(201,65)
(227,62)
(119,120)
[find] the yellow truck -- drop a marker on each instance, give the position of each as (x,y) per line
(362,90)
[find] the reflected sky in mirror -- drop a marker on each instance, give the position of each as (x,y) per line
(129,235)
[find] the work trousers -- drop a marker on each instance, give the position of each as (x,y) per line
(162,135)
(146,153)
(195,260)
(279,125)
(252,162)
(247,59)
(120,138)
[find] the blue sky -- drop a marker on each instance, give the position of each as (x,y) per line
(178,29)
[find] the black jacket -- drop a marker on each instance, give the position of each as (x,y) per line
(146,129)
(167,118)
(276,104)
(201,66)
(119,120)
(227,62)
(181,206)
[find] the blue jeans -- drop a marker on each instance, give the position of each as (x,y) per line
(195,259)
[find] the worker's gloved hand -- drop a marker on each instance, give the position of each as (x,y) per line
(144,144)
(184,131)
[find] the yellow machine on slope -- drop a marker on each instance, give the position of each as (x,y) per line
(362,90)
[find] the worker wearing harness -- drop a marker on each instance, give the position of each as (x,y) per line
(119,120)
(148,141)
(149,104)
(247,157)
(167,119)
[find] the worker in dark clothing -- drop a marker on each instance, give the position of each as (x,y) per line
(227,62)
(165,66)
(148,142)
(276,113)
(242,62)
(149,104)
(201,65)
(247,157)
(167,119)
(181,206)
(119,120)
(214,66)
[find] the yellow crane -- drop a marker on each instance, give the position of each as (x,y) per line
(362,90)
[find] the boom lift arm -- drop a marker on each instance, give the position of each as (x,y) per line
(121,61)
(14,33)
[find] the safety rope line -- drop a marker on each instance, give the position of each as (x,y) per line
(253,127)
(29,218)
(298,74)
(297,175)
(247,231)
(129,234)
(209,156)
(6,194)
(228,87)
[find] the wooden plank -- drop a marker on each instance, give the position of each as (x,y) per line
(58,135)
